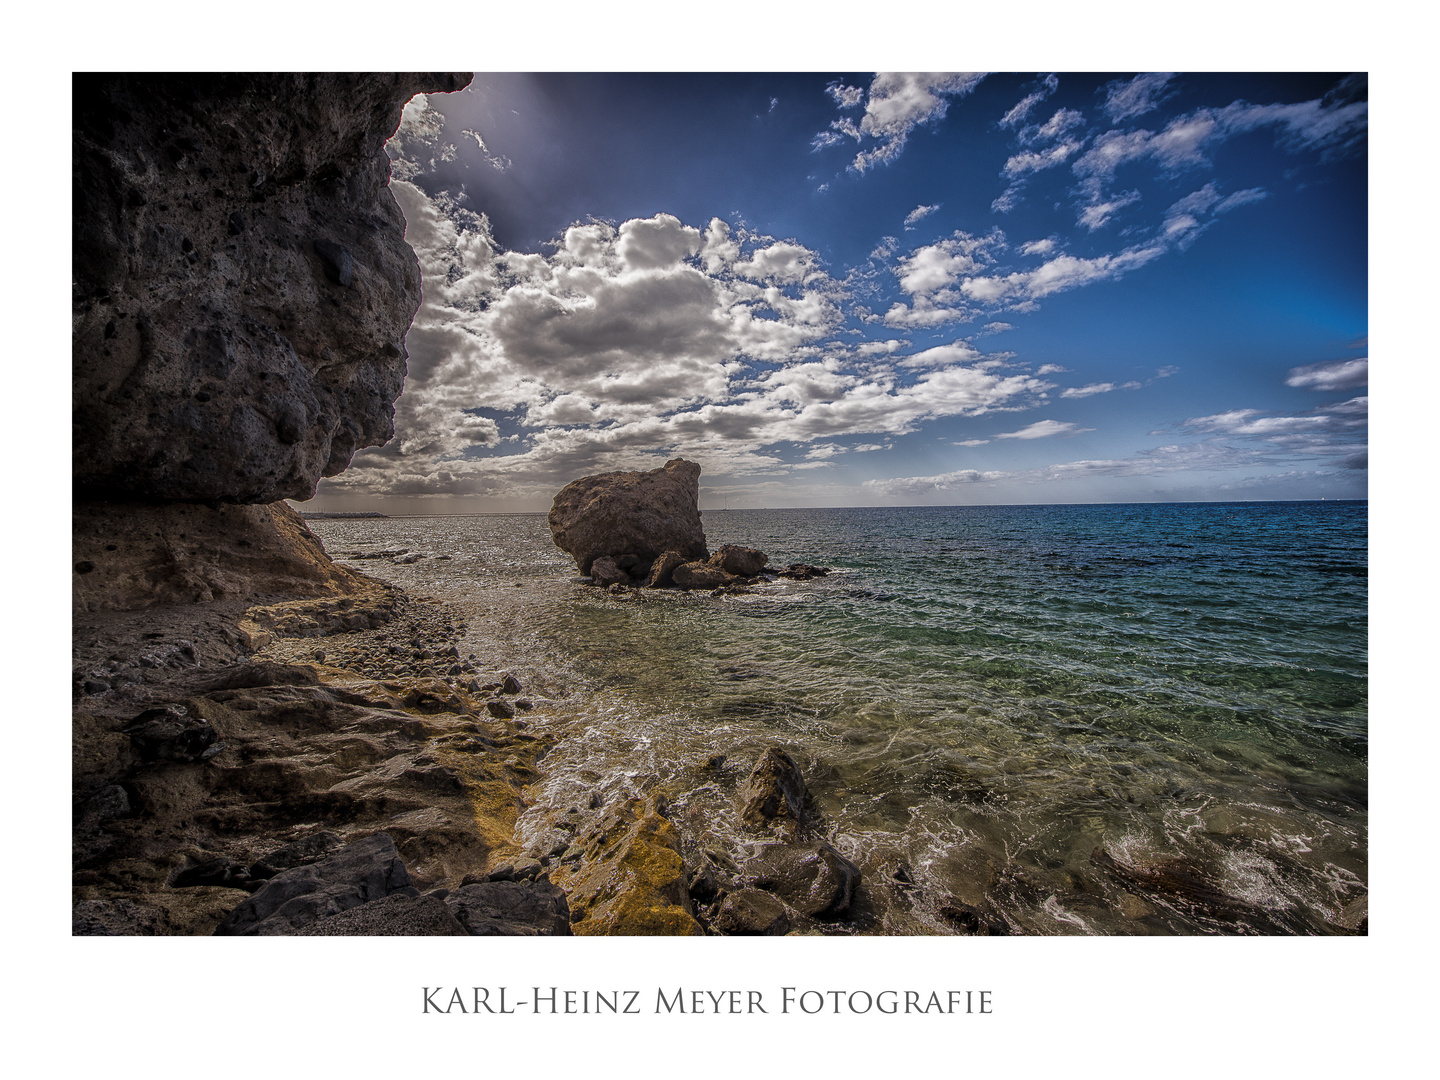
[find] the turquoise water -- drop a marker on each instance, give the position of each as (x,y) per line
(986,695)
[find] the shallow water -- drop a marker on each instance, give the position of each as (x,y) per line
(987,695)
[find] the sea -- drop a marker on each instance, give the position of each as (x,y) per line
(1082,719)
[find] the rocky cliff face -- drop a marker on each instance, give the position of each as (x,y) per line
(242,285)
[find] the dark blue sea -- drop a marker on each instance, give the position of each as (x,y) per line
(1115,719)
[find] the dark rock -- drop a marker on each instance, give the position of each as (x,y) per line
(365,870)
(338,262)
(751,912)
(169,733)
(302,852)
(803,571)
(663,567)
(814,879)
(972,920)
(396,915)
(516,868)
(109,802)
(213,872)
(641,514)
(511,909)
(195,321)
(740,561)
(773,797)
(500,709)
(604,572)
(701,575)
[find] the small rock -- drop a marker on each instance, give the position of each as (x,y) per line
(509,684)
(773,797)
(500,708)
(971,920)
(604,572)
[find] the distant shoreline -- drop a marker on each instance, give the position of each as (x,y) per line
(319,515)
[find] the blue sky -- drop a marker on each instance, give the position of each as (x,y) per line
(854,289)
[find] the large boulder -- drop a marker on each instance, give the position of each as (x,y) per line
(241,282)
(643,514)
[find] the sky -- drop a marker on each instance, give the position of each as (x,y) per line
(839,289)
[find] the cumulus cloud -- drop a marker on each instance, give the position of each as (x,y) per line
(634,341)
(1331,375)
(897,103)
(1035,160)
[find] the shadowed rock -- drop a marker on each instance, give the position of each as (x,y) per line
(751,912)
(701,575)
(631,513)
(511,909)
(241,282)
(365,870)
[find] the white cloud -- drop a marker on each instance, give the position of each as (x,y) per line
(896,104)
(1097,388)
(1035,160)
(847,97)
(1038,247)
(1331,375)
(1043,429)
(1021,109)
(1098,214)
(1139,95)
(918,213)
(637,341)
(1051,369)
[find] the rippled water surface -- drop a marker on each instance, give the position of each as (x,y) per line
(986,695)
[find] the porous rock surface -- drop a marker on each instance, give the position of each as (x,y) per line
(241,282)
(636,514)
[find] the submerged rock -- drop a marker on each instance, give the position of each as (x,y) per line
(631,513)
(753,912)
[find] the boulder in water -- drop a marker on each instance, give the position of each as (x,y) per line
(631,513)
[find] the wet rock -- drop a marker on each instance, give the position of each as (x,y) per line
(604,573)
(396,915)
(814,879)
(510,685)
(169,733)
(802,572)
(971,920)
(740,561)
(365,870)
(500,708)
(624,875)
(641,514)
(511,909)
(773,797)
(752,912)
(701,575)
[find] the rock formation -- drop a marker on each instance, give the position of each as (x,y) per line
(634,514)
(241,281)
